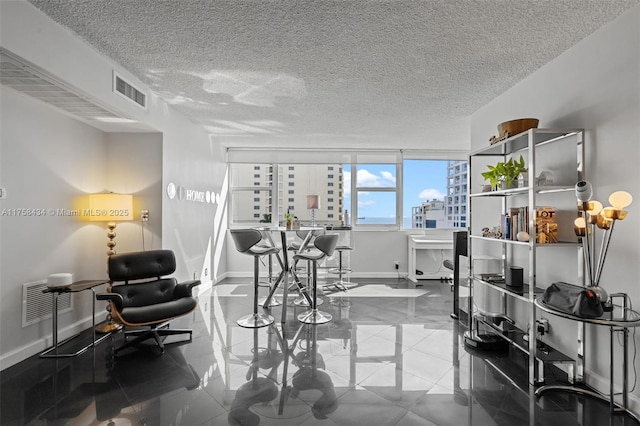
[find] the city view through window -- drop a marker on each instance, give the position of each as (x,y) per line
(433,193)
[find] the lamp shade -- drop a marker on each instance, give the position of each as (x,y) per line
(313,202)
(110,207)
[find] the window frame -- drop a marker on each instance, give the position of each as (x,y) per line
(272,188)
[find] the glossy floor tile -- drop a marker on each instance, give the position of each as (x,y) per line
(391,355)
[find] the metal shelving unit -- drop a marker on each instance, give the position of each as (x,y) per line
(527,143)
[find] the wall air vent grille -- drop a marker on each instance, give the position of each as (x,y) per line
(38,306)
(130,92)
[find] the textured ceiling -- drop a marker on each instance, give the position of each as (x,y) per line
(350,73)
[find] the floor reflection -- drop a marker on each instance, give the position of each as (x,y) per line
(385,359)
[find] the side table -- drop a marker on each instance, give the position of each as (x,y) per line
(628,319)
(74,287)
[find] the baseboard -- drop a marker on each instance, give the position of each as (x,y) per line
(323,274)
(20,354)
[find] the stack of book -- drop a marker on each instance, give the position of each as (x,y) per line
(517,220)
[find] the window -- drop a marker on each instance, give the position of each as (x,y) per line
(375,194)
(394,193)
(248,199)
(427,193)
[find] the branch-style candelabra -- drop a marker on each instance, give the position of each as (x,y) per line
(592,215)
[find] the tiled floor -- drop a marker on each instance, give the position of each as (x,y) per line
(391,356)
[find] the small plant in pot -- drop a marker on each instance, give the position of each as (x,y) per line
(505,174)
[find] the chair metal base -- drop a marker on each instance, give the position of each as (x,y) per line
(158,334)
(339,286)
(314,317)
(255,321)
(302,301)
(275,301)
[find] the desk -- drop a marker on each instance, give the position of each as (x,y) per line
(74,287)
(615,324)
(421,242)
(287,269)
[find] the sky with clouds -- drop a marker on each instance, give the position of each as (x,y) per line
(423,180)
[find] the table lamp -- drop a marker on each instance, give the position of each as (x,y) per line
(110,207)
(313,203)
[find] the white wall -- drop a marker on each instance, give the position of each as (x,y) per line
(373,255)
(134,167)
(595,85)
(51,161)
(47,161)
(65,158)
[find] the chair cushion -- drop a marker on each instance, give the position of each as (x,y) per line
(310,255)
(262,250)
(146,293)
(141,265)
(157,313)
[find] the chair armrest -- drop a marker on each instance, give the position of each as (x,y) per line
(184,289)
(111,297)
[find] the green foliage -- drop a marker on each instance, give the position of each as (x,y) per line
(506,172)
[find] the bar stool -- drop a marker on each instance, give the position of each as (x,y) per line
(246,241)
(344,244)
(325,245)
(267,243)
(341,270)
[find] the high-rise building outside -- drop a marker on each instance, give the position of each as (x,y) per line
(456,199)
(294,183)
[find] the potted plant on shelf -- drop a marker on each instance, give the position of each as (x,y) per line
(493,176)
(505,173)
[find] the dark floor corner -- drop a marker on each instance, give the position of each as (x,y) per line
(391,355)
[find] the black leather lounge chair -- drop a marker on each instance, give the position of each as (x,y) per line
(141,297)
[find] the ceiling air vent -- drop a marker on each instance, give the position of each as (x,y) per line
(23,76)
(130,92)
